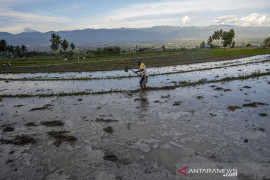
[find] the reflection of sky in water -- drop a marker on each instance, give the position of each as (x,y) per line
(102,74)
(41,87)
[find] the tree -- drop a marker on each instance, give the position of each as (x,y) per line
(163,48)
(209,41)
(72,46)
(267,42)
(17,50)
(220,34)
(3,46)
(11,49)
(24,50)
(233,44)
(64,45)
(55,41)
(202,45)
(228,37)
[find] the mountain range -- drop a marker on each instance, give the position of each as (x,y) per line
(127,36)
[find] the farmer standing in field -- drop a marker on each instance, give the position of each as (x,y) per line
(144,75)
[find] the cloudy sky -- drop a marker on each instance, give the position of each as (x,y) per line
(45,15)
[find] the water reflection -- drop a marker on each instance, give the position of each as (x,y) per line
(143,105)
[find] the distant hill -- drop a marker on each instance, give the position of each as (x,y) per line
(125,36)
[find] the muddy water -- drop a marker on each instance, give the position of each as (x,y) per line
(155,133)
(150,138)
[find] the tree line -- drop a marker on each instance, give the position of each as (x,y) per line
(17,51)
(220,38)
(110,50)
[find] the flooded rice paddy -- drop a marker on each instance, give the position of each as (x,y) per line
(138,135)
(187,73)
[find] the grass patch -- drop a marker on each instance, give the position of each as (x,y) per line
(177,103)
(19,140)
(52,123)
(233,108)
(110,157)
(108,129)
(101,120)
(8,129)
(263,114)
(226,90)
(218,89)
(30,124)
(19,105)
(41,108)
(254,104)
(199,97)
(60,136)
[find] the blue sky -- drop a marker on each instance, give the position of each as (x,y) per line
(53,15)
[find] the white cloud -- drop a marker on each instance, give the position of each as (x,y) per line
(162,12)
(254,19)
(185,20)
(229,19)
(29,17)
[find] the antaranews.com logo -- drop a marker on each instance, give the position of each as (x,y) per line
(222,171)
(225,172)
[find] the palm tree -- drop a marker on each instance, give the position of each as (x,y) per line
(72,46)
(3,46)
(24,50)
(64,45)
(55,41)
(17,50)
(11,49)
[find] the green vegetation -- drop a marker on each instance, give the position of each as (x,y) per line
(108,129)
(52,123)
(233,108)
(254,104)
(222,38)
(56,41)
(101,120)
(30,124)
(60,136)
(263,114)
(19,140)
(110,157)
(17,51)
(267,42)
(41,108)
(109,51)
(8,129)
